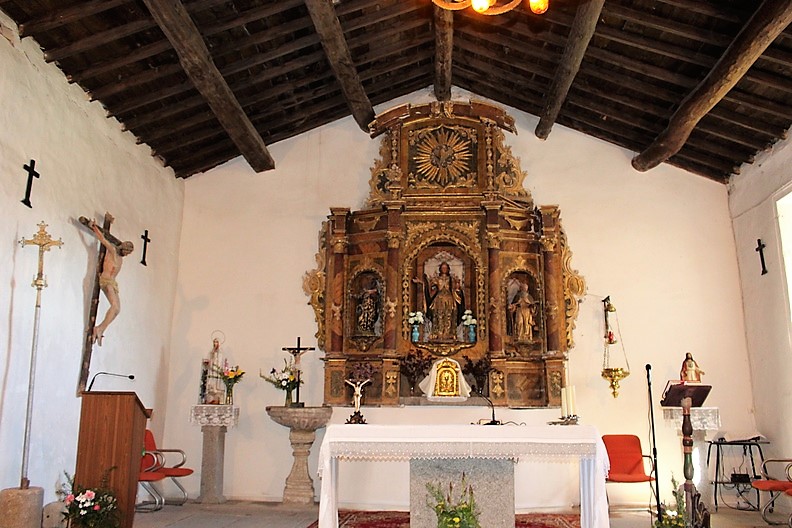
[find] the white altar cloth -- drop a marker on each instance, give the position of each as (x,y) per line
(525,442)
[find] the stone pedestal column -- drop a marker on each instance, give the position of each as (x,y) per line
(303,423)
(21,508)
(214,421)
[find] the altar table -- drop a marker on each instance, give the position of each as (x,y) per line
(524,442)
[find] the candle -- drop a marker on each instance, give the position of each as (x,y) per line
(571,401)
(564,402)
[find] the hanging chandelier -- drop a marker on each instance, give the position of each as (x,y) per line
(613,369)
(492,7)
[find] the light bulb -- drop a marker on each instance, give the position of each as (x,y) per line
(479,6)
(538,6)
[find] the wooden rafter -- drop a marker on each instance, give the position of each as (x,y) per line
(586,18)
(332,37)
(194,57)
(772,17)
(444,46)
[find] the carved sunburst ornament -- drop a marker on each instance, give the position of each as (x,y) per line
(443,158)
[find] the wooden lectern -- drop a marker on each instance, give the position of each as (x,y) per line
(112,426)
(688,394)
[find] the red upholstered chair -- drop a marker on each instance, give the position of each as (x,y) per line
(160,465)
(627,461)
(782,467)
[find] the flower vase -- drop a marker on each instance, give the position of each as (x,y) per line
(229,395)
(288,399)
(472,333)
(415,333)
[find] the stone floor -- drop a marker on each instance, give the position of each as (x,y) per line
(236,514)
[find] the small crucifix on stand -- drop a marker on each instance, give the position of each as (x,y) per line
(297,352)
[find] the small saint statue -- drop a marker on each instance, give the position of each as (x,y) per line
(690,370)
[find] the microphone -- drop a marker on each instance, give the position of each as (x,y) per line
(492,406)
(130,376)
(649,371)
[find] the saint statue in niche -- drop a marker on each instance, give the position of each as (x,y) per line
(445,303)
(522,309)
(367,312)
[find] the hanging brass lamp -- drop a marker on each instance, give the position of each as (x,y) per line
(610,372)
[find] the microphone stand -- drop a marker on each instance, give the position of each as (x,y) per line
(492,406)
(90,385)
(654,440)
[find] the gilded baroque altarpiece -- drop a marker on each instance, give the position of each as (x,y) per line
(448,231)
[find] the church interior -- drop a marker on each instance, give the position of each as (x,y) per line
(455,220)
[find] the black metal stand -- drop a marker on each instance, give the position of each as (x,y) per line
(654,440)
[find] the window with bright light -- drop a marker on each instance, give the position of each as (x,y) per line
(784,212)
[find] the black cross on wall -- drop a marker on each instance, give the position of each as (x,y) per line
(146,240)
(760,249)
(31,170)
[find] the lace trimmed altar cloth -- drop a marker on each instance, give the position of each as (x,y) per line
(566,444)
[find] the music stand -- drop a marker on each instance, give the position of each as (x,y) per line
(676,391)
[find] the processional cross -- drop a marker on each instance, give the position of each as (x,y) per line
(44,241)
(297,352)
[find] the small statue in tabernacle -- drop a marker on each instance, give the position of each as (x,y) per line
(690,370)
(111,265)
(522,310)
(368,308)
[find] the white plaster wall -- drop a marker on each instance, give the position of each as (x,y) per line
(752,201)
(659,243)
(88,166)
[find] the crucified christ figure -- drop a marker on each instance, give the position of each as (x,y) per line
(111,265)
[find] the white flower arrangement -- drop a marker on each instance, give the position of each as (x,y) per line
(415,318)
(468,319)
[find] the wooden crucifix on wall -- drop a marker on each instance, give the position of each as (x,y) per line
(111,252)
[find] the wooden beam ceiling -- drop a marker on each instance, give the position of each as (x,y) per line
(583,27)
(335,45)
(175,22)
(772,17)
(444,46)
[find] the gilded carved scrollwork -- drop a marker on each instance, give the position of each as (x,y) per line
(314,287)
(555,384)
(442,157)
(548,243)
(493,240)
(574,290)
(510,177)
(390,307)
(394,239)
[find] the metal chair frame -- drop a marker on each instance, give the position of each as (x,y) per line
(776,487)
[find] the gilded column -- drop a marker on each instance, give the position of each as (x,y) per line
(393,291)
(336,278)
(335,362)
(492,206)
(554,291)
